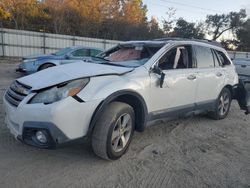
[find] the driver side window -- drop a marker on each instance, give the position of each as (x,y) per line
(80,53)
(176,58)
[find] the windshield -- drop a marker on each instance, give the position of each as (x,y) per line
(62,52)
(131,55)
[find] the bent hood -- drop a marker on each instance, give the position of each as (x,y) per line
(59,74)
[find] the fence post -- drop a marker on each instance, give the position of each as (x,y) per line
(73,41)
(2,43)
(104,44)
(44,43)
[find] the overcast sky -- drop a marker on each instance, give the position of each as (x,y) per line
(194,10)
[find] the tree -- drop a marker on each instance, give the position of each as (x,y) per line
(154,29)
(186,29)
(220,23)
(168,22)
(243,34)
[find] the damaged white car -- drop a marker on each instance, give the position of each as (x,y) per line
(123,90)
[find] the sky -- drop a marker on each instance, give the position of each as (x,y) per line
(194,10)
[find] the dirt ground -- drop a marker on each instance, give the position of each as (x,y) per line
(193,152)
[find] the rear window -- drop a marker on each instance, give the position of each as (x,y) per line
(204,57)
(223,58)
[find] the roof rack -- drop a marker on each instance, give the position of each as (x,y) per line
(211,42)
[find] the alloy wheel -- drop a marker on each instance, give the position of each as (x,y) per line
(121,132)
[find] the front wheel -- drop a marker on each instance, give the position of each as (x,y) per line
(113,131)
(223,104)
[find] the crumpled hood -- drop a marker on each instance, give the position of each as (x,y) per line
(59,74)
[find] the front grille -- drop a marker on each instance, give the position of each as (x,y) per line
(16,93)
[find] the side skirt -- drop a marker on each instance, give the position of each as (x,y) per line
(181,111)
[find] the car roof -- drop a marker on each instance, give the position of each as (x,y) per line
(163,41)
(84,47)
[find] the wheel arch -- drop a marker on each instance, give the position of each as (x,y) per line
(230,87)
(46,63)
(129,97)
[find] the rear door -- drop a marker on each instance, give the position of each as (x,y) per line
(210,76)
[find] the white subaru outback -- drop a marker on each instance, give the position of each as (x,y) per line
(122,90)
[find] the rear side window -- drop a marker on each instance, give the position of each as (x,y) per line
(204,57)
(223,58)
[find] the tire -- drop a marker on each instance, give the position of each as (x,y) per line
(222,106)
(45,66)
(112,124)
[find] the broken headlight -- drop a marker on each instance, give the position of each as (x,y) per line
(60,91)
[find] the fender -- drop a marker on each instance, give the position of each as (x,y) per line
(140,123)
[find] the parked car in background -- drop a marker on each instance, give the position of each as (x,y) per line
(34,63)
(242,67)
(124,89)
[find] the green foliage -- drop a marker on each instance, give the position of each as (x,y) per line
(220,23)
(186,29)
(243,34)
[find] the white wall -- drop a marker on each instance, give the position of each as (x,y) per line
(235,54)
(19,43)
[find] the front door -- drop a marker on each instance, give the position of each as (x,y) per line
(177,92)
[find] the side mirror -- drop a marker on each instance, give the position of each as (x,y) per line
(67,56)
(157,70)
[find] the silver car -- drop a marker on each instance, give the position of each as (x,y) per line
(34,63)
(242,66)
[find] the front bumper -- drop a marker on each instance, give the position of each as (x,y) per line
(23,70)
(64,121)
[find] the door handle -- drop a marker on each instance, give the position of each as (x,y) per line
(243,66)
(191,77)
(219,74)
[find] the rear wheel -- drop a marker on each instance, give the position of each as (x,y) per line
(113,131)
(45,66)
(223,104)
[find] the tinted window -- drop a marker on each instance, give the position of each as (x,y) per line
(176,58)
(62,52)
(80,53)
(223,58)
(94,52)
(204,57)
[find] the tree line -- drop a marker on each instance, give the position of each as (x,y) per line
(120,20)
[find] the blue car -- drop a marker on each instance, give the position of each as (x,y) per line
(34,63)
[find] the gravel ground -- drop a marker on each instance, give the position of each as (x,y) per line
(192,152)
